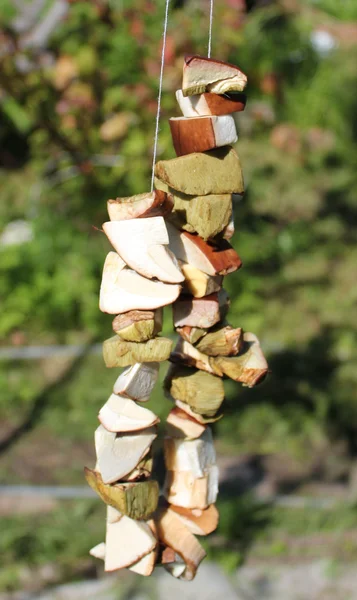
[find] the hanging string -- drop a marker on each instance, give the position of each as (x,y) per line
(160,92)
(210,29)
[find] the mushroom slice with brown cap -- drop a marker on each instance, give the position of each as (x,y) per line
(186,354)
(202,133)
(179,424)
(212,260)
(138,325)
(206,104)
(191,334)
(202,74)
(152,204)
(249,367)
(200,312)
(222,340)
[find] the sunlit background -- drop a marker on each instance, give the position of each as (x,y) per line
(78,92)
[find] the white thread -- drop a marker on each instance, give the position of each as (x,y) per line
(210,29)
(160,92)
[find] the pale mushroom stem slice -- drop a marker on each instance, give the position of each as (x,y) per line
(182,488)
(118,454)
(195,456)
(141,244)
(138,381)
(127,542)
(98,551)
(123,290)
(146,565)
(120,414)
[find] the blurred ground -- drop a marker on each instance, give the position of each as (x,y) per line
(316,580)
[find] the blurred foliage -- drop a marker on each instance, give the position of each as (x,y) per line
(76,128)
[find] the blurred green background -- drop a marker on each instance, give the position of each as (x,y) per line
(78,90)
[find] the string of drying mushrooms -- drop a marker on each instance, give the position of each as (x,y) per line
(171,247)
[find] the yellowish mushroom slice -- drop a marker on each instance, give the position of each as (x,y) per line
(143,245)
(137,500)
(120,353)
(249,367)
(207,215)
(203,419)
(191,334)
(185,353)
(217,171)
(138,325)
(198,283)
(222,340)
(201,391)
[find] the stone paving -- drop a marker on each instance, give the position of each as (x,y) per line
(317,580)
